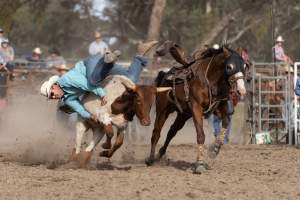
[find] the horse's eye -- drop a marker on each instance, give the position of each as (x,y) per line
(230,67)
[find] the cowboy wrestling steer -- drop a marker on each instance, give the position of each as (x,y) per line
(124,100)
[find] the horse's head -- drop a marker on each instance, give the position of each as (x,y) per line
(235,69)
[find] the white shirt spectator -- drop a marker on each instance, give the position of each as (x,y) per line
(98,48)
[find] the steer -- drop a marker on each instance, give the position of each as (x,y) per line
(124,100)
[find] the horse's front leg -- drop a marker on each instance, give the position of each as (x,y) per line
(176,126)
(159,122)
(87,154)
(118,143)
(200,165)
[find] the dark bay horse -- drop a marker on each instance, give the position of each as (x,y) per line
(215,72)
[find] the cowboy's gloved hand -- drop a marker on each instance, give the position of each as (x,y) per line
(103,101)
(93,118)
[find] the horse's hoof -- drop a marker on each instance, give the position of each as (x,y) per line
(214,150)
(85,158)
(162,152)
(105,154)
(149,161)
(200,167)
(106,145)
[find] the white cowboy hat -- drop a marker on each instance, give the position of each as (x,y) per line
(279,39)
(37,50)
(46,86)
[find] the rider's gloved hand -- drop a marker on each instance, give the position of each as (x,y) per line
(103,101)
(93,119)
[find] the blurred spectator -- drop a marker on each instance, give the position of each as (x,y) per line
(55,60)
(7,54)
(62,69)
(3,84)
(35,59)
(278,52)
(1,35)
(98,46)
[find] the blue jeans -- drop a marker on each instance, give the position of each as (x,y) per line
(134,70)
(97,70)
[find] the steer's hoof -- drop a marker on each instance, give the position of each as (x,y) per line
(73,156)
(149,161)
(200,167)
(214,150)
(105,154)
(85,159)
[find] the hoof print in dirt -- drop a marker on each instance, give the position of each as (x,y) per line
(213,150)
(200,167)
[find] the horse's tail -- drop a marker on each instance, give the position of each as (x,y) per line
(159,78)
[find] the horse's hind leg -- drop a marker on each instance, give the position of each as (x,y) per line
(159,122)
(176,126)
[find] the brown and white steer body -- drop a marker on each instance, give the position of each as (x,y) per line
(124,100)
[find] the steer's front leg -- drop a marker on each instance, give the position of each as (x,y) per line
(118,143)
(81,128)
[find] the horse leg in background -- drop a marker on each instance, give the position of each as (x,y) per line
(87,154)
(81,128)
(118,143)
(215,148)
(160,120)
(176,126)
(200,165)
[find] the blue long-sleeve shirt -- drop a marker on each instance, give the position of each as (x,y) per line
(297,88)
(74,84)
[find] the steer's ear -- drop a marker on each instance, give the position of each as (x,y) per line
(163,89)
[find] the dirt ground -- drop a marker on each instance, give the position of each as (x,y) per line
(240,172)
(35,144)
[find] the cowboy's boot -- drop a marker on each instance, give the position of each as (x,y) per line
(111,57)
(145,47)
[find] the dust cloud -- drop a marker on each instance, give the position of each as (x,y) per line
(33,132)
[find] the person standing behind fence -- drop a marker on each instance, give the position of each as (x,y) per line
(1,35)
(98,46)
(55,60)
(279,53)
(3,84)
(8,54)
(35,59)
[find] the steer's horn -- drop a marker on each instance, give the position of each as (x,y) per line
(126,82)
(163,89)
